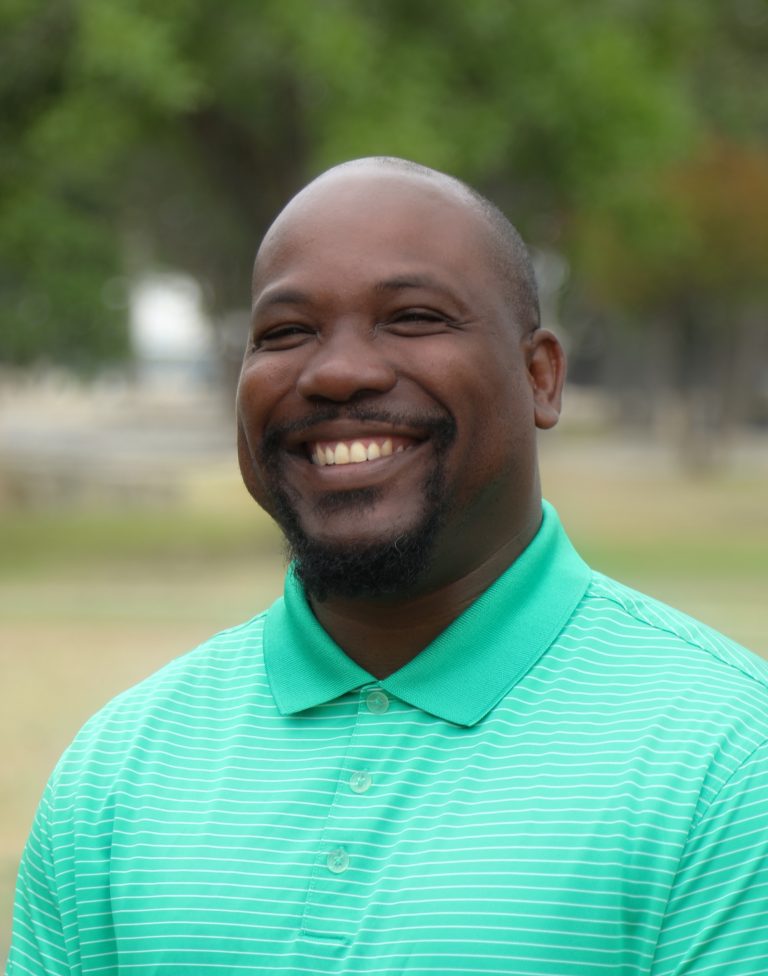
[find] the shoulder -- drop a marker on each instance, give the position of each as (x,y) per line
(639,650)
(200,690)
(654,628)
(689,694)
(221,662)
(667,660)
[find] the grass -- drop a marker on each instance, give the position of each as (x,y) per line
(92,602)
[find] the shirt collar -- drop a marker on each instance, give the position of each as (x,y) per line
(468,668)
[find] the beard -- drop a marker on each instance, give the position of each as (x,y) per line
(384,568)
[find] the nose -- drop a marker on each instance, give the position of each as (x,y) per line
(344,366)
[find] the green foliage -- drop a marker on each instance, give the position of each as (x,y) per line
(138,134)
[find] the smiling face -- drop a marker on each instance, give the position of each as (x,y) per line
(388,397)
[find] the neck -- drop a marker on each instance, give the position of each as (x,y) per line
(382,635)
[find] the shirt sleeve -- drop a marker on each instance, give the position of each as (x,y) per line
(716,921)
(37,942)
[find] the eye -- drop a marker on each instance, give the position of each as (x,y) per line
(282,337)
(417,321)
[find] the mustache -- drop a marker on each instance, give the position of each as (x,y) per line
(441,427)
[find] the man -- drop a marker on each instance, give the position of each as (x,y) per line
(451,748)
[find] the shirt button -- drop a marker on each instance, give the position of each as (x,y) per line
(337,860)
(377,702)
(360,781)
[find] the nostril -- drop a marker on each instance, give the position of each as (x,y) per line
(345,376)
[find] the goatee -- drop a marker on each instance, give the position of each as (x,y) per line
(379,569)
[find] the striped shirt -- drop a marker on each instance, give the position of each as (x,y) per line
(571,780)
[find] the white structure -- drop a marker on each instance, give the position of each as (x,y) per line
(171,336)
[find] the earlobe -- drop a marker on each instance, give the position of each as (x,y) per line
(546,372)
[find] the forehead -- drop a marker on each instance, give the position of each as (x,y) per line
(365,224)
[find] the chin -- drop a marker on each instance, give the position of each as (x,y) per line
(355,532)
(362,543)
(361,566)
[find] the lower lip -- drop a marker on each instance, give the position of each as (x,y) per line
(360,474)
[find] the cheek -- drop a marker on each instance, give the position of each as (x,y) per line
(248,470)
(261,389)
(249,412)
(259,392)
(496,423)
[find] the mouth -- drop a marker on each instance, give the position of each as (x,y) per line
(360,450)
(354,449)
(327,475)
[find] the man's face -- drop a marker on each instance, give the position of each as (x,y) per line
(385,400)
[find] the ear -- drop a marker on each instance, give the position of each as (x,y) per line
(546,373)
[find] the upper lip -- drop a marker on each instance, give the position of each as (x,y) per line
(350,430)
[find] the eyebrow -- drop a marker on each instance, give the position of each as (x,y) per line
(404,282)
(293,296)
(284,296)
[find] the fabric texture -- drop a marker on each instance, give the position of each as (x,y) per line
(572,779)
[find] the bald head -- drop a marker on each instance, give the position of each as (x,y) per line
(505,250)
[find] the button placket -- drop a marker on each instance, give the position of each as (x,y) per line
(377,701)
(344,858)
(360,781)
(337,860)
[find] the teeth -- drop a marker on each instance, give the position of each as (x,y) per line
(357,453)
(354,453)
(341,454)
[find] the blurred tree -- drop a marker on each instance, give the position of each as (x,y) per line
(141,135)
(682,259)
(136,134)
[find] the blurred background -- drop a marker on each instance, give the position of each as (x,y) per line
(144,149)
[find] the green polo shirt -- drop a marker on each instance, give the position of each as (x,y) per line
(571,780)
